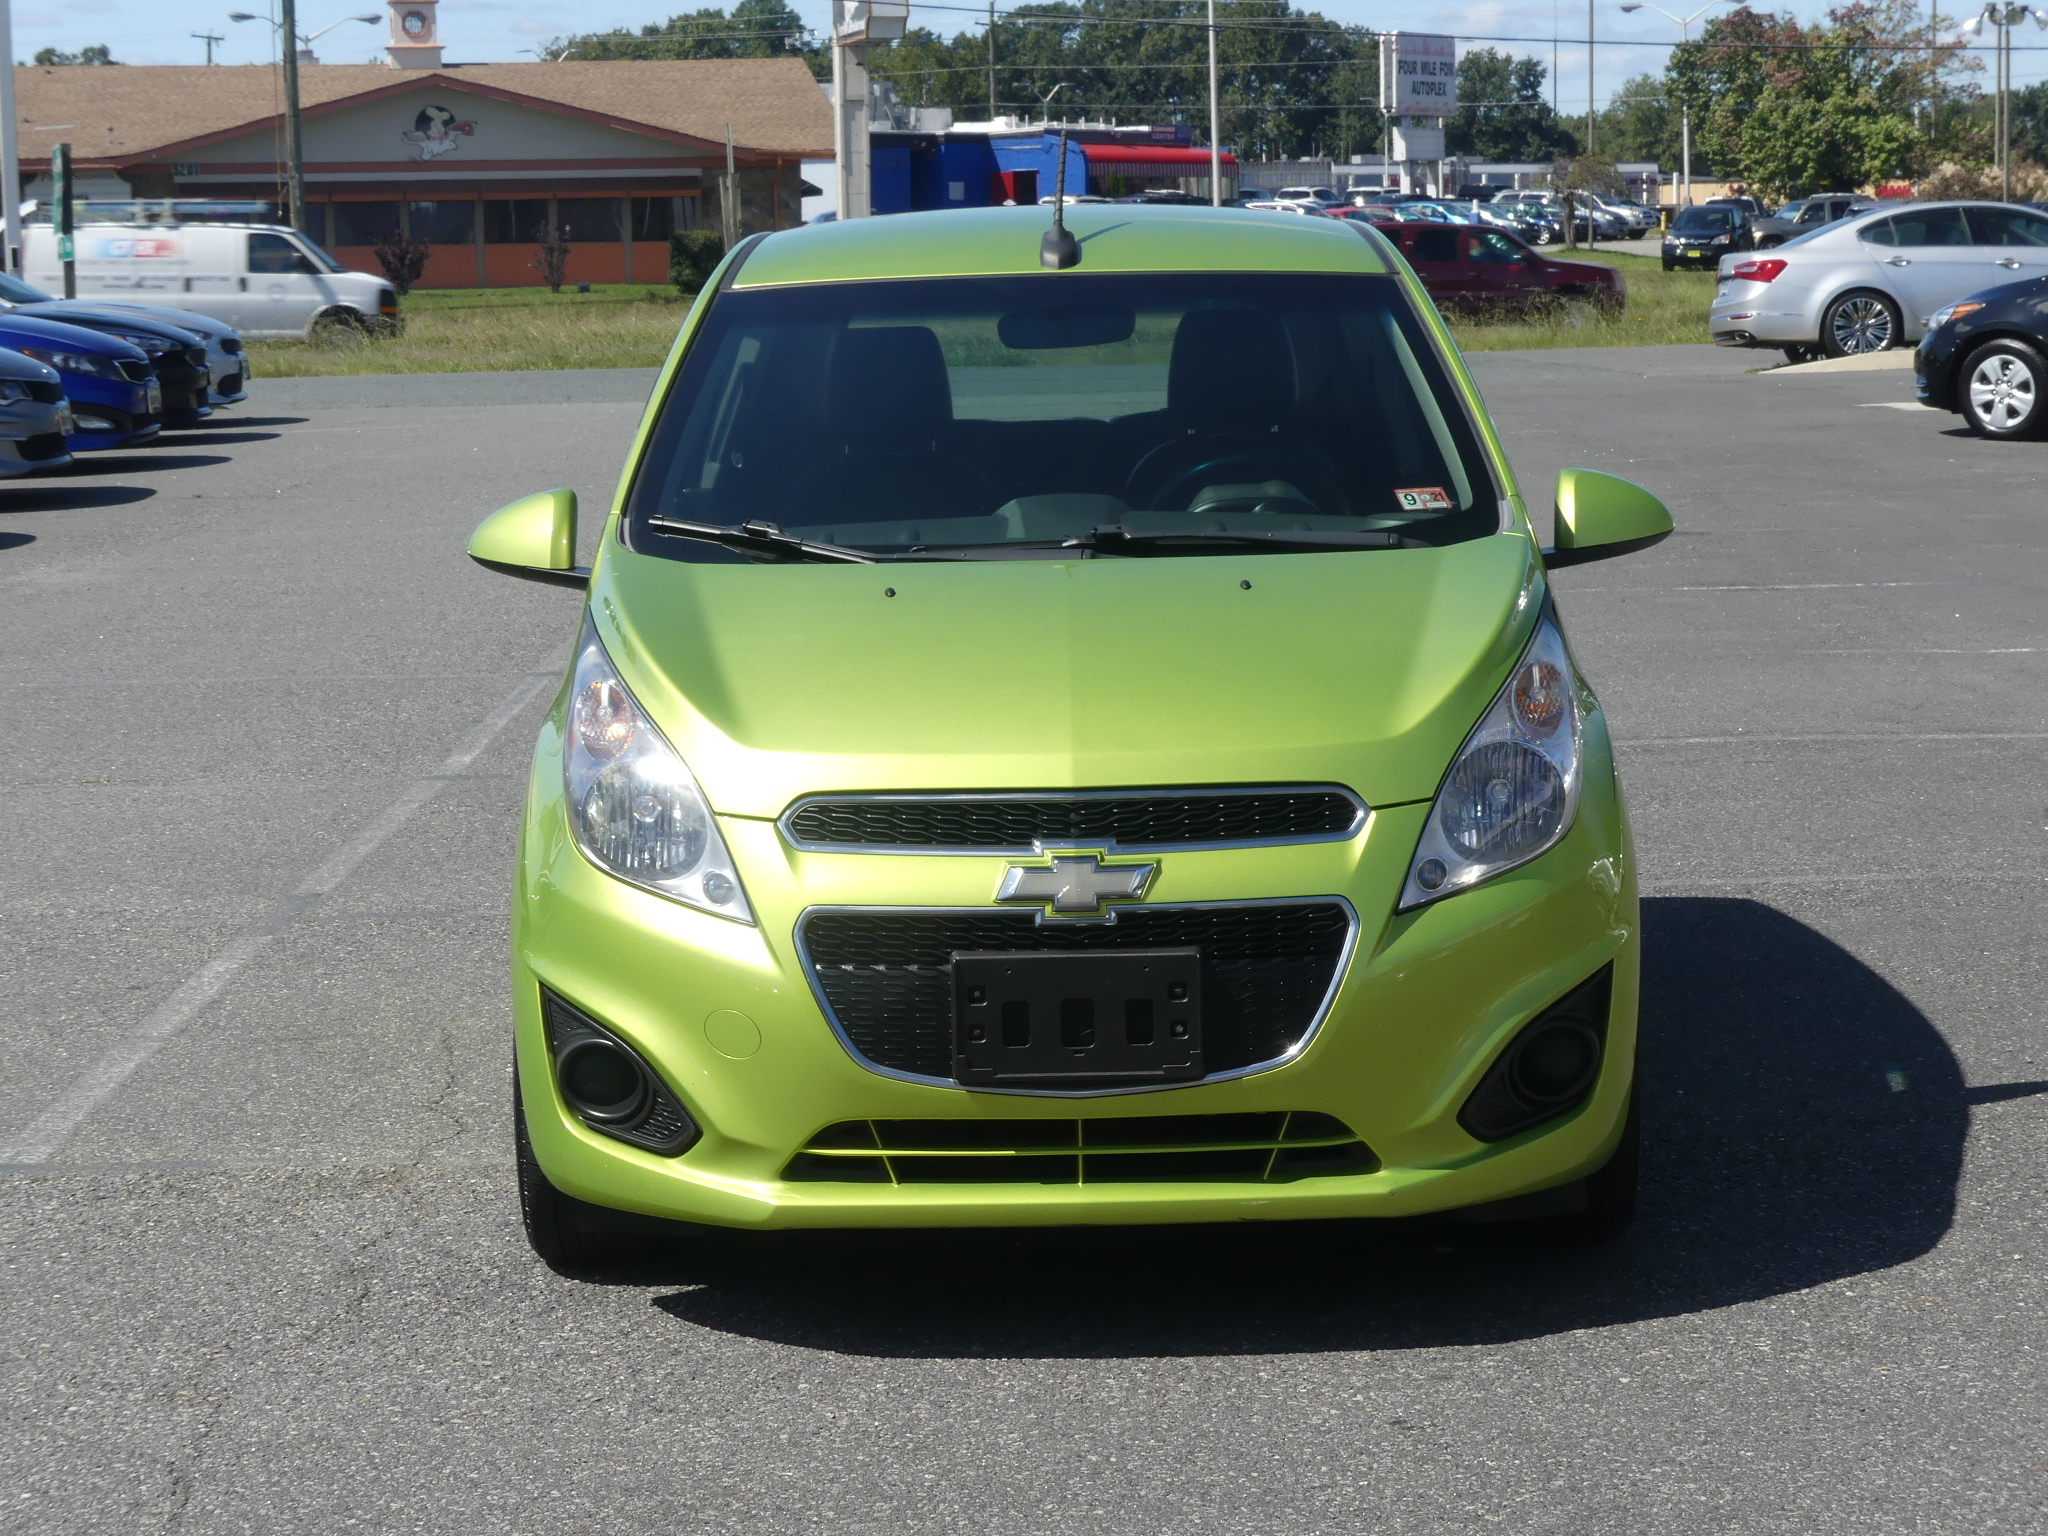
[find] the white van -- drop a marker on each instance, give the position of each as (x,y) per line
(261,279)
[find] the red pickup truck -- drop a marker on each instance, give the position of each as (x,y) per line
(1476,267)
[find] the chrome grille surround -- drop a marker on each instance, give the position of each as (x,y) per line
(1106,802)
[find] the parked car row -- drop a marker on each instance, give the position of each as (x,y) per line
(79,377)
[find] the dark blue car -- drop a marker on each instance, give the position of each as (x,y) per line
(1986,358)
(112,386)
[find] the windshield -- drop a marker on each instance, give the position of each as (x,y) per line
(1704,218)
(14,291)
(1011,411)
(320,258)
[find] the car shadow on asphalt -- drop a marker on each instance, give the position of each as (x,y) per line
(16,540)
(205,437)
(236,423)
(53,496)
(135,461)
(1803,1122)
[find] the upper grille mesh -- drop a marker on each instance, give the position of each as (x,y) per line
(888,975)
(1013,824)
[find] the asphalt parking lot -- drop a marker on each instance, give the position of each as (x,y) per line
(264,740)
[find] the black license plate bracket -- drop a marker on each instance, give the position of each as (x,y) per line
(1077,1020)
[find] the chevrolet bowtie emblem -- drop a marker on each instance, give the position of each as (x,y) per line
(1075,887)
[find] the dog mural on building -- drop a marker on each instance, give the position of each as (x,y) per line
(434,131)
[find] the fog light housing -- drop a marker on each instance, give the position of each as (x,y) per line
(608,1086)
(1548,1069)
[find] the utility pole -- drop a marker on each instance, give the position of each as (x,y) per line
(10,147)
(991,60)
(1215,121)
(209,38)
(1589,78)
(294,155)
(728,196)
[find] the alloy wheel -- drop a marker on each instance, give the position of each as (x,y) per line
(2002,392)
(1861,324)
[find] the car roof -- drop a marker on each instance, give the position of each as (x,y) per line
(1117,237)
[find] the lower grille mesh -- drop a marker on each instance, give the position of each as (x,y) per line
(1257,1148)
(887,976)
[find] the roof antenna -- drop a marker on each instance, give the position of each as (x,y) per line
(1059,249)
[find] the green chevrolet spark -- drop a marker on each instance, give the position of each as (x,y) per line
(1070,729)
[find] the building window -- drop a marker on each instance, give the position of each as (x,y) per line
(364,223)
(654,218)
(588,220)
(446,223)
(515,221)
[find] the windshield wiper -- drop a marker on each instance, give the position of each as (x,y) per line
(1115,538)
(758,538)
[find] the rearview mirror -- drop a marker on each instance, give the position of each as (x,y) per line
(1601,516)
(534,539)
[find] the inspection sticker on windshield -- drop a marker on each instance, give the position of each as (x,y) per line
(1423,498)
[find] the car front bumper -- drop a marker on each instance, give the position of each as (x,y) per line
(1428,1000)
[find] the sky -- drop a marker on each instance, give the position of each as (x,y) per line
(498,31)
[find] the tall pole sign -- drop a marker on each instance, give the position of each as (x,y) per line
(60,214)
(1215,119)
(1418,90)
(856,26)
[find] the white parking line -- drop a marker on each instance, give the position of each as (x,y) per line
(48,1130)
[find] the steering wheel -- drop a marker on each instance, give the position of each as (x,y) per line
(1163,480)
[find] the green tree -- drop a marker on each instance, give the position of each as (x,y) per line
(1793,143)
(1642,123)
(1502,113)
(754,29)
(92,53)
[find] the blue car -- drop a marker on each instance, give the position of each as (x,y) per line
(35,418)
(226,360)
(115,398)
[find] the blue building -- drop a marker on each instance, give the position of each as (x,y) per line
(980,167)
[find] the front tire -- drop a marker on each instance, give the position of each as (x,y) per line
(2004,384)
(567,1234)
(1611,1191)
(1860,323)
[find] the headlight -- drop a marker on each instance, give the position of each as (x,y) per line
(1942,317)
(1513,788)
(78,362)
(155,346)
(634,807)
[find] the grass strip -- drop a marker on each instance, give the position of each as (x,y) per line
(1663,308)
(490,330)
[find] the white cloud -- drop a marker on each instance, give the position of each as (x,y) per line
(37,19)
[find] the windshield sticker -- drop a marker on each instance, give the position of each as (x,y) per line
(1423,498)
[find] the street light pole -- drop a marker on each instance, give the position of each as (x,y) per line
(2004,17)
(1215,131)
(294,152)
(1684,25)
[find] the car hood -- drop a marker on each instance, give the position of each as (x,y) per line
(19,330)
(202,326)
(1583,271)
(16,366)
(97,316)
(1366,669)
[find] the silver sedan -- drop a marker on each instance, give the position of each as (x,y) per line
(1871,282)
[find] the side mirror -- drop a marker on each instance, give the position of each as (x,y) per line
(1601,516)
(534,539)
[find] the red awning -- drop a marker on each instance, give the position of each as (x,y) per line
(1150,154)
